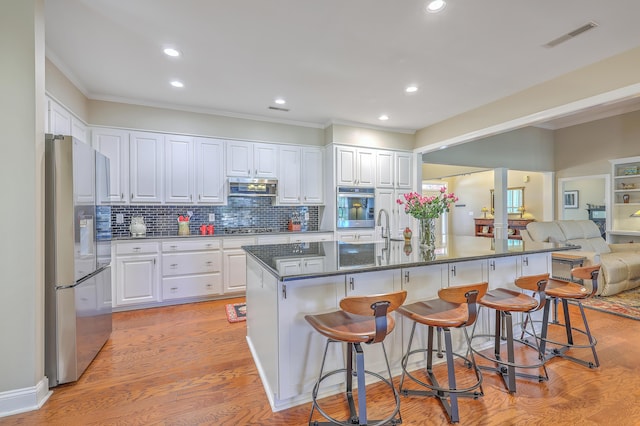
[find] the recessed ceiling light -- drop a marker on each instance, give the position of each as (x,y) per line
(177,83)
(436,6)
(280,101)
(411,89)
(383,117)
(170,51)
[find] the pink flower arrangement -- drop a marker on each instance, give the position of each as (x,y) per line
(422,207)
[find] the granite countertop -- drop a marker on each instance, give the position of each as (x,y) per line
(163,236)
(338,258)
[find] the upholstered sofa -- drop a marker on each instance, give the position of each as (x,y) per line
(620,263)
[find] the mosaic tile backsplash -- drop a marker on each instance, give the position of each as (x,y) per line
(244,212)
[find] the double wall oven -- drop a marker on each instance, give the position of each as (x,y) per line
(355,207)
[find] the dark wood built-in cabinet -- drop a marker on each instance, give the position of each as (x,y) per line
(484,227)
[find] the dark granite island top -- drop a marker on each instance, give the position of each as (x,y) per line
(339,258)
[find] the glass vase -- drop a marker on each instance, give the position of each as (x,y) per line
(428,234)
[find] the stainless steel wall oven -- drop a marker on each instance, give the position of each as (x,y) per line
(355,207)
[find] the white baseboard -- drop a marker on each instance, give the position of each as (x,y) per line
(25,399)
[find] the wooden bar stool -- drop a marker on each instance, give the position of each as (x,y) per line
(506,301)
(362,319)
(566,291)
(455,308)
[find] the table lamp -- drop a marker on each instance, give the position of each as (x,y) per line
(521,210)
(484,211)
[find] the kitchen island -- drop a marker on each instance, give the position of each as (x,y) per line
(285,282)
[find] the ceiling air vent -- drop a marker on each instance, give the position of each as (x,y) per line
(278,109)
(568,36)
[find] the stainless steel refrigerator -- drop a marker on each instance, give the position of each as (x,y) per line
(77,257)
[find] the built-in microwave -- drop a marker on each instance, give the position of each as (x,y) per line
(355,207)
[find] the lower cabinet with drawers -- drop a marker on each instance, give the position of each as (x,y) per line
(191,268)
(156,272)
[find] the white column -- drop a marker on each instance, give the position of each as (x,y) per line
(500,217)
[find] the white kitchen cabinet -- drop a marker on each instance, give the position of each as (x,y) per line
(114,143)
(467,272)
(298,369)
(398,220)
(191,268)
(289,176)
(79,131)
(234,263)
(300,265)
(178,169)
(355,166)
(145,167)
(59,119)
(403,170)
(311,237)
(137,278)
(248,159)
(355,236)
(301,175)
(385,170)
(209,165)
(312,175)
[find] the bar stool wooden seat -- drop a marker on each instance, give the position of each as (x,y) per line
(566,291)
(506,301)
(362,319)
(456,307)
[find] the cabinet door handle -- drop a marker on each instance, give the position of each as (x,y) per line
(173,265)
(453,271)
(352,283)
(284,291)
(132,195)
(209,263)
(209,285)
(190,197)
(493,265)
(136,249)
(173,288)
(199,196)
(122,195)
(173,247)
(208,245)
(525,260)
(406,276)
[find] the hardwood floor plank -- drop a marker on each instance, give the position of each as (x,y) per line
(186,365)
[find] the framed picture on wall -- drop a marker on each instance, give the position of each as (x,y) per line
(570,199)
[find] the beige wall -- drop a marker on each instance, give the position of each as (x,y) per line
(474,192)
(369,138)
(21,180)
(610,74)
(585,149)
(65,92)
(113,114)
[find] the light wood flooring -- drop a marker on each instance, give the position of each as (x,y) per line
(186,365)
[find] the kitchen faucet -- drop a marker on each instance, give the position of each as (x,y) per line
(388,236)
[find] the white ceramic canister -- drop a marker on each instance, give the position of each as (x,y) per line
(138,227)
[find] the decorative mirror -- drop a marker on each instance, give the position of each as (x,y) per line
(515,200)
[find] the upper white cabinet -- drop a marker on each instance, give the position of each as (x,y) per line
(289,184)
(79,131)
(355,166)
(178,169)
(394,169)
(114,143)
(300,178)
(209,161)
(246,159)
(312,175)
(145,167)
(59,119)
(404,168)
